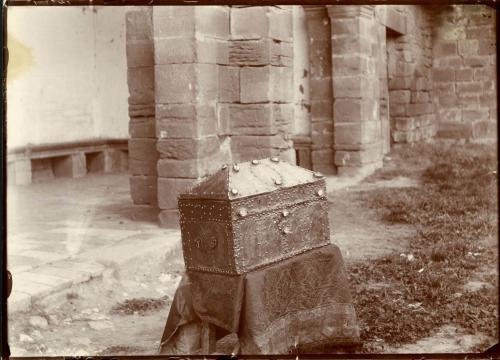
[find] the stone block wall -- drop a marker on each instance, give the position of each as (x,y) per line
(384,116)
(410,76)
(301,90)
(356,89)
(215,84)
(143,156)
(464,70)
(192,75)
(256,104)
(209,85)
(321,89)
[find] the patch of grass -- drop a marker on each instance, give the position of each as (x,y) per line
(453,210)
(139,306)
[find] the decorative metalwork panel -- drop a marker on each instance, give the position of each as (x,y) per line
(205,210)
(274,236)
(239,234)
(278,199)
(207,246)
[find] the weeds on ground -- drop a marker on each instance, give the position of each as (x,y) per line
(122,350)
(140,306)
(454,209)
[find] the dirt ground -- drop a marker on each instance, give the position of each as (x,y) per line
(95,318)
(86,319)
(357,230)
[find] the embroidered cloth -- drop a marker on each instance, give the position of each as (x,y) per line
(301,304)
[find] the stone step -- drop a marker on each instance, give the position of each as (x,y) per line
(32,285)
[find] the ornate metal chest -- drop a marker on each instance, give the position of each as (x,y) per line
(252,214)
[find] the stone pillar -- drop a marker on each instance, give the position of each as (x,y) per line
(320,57)
(301,92)
(142,142)
(301,73)
(357,126)
(191,56)
(384,89)
(260,118)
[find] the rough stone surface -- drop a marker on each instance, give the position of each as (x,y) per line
(169,189)
(142,127)
(186,83)
(249,22)
(229,84)
(141,85)
(357,64)
(138,25)
(245,148)
(142,124)
(142,156)
(143,189)
(376,76)
(464,43)
(140,53)
(145,213)
(196,167)
(321,87)
(169,219)
(185,120)
(250,52)
(190,50)
(187,148)
(256,119)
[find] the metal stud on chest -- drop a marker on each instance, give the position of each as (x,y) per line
(243,212)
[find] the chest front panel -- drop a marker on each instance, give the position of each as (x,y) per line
(279,234)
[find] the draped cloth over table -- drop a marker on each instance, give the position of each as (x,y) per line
(300,304)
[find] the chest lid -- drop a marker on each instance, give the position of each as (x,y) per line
(251,178)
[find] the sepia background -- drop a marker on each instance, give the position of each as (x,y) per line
(112,112)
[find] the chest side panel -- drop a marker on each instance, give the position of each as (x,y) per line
(207,242)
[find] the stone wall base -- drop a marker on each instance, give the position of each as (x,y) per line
(145,213)
(359,171)
(169,219)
